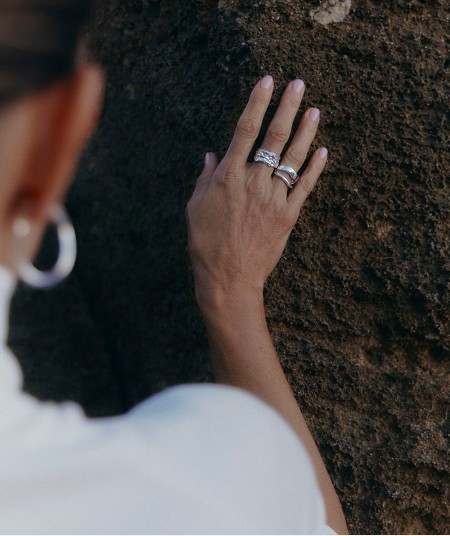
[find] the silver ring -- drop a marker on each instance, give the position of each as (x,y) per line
(290,171)
(286,181)
(267,157)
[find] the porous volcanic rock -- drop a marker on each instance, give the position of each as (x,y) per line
(359,305)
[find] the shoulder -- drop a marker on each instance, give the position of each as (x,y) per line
(218,414)
(236,447)
(216,411)
(208,401)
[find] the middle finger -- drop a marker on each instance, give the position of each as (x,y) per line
(280,127)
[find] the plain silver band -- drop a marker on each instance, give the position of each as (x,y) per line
(67,250)
(286,181)
(290,171)
(267,157)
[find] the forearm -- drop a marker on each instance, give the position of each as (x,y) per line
(243,355)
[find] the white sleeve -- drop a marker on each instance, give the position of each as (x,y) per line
(240,451)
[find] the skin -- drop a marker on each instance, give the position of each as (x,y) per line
(239,221)
(41,140)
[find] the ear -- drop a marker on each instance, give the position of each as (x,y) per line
(47,134)
(63,117)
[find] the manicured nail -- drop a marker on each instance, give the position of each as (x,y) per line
(207,159)
(323,152)
(314,114)
(266,82)
(298,85)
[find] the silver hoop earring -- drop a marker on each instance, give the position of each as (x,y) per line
(67,243)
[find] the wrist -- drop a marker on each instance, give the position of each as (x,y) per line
(215,300)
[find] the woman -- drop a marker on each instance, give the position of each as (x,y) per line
(235,457)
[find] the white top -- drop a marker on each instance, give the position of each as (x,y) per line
(194,459)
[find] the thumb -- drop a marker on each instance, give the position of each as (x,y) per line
(211,163)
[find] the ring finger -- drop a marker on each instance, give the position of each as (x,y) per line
(281,125)
(299,147)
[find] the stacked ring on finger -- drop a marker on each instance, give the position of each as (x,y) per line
(267,157)
(283,178)
(281,170)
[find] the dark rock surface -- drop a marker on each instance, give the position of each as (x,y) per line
(359,305)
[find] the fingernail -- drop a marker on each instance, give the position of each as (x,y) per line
(266,82)
(207,158)
(323,152)
(314,114)
(298,85)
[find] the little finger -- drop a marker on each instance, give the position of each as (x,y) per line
(308,179)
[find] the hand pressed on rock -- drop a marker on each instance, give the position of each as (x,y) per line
(239,220)
(240,217)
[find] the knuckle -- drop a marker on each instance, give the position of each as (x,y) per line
(258,100)
(307,183)
(296,156)
(278,133)
(229,175)
(256,186)
(294,102)
(247,128)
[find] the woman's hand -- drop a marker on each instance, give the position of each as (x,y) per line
(239,217)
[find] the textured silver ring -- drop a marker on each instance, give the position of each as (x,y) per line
(286,181)
(267,157)
(290,171)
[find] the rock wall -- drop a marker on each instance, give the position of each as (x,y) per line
(359,305)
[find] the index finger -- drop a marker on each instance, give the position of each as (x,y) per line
(250,122)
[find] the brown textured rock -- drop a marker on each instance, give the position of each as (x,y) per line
(359,305)
(331,11)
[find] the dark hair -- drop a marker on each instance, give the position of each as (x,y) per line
(38,41)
